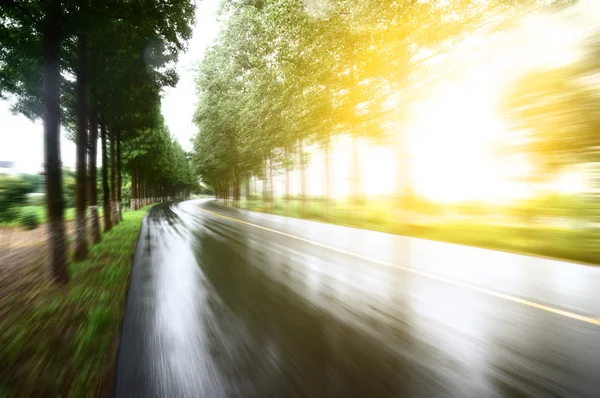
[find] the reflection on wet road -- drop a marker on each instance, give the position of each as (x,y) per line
(219,307)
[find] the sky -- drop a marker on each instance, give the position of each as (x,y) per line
(21,140)
(179,103)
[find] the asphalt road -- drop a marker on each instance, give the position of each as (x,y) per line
(228,303)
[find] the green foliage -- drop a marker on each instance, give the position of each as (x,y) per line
(69,191)
(36,200)
(13,194)
(10,215)
(59,343)
(35,181)
(557,112)
(126,60)
(126,193)
(39,211)
(29,219)
(161,159)
(206,190)
(517,231)
(287,72)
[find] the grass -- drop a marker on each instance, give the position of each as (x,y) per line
(40,211)
(579,245)
(62,340)
(571,245)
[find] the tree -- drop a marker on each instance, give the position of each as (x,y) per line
(123,87)
(26,30)
(555,111)
(92,173)
(282,76)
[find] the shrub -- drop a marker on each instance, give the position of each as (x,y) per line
(36,199)
(13,193)
(29,219)
(69,191)
(10,214)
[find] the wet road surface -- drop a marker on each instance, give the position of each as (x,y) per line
(228,303)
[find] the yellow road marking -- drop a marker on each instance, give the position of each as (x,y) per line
(593,321)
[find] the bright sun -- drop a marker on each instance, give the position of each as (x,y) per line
(453,147)
(454,130)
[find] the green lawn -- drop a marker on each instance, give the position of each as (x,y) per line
(569,244)
(69,213)
(62,340)
(40,211)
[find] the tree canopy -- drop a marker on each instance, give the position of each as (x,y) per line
(97,65)
(287,73)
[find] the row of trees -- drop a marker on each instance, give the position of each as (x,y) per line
(556,111)
(96,67)
(286,74)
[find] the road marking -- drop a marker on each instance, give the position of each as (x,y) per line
(593,321)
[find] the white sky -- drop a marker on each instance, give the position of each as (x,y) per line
(21,140)
(179,103)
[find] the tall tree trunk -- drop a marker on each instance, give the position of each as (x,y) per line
(404,190)
(227,192)
(236,189)
(327,169)
(271,187)
(356,183)
(138,193)
(247,191)
(133,194)
(54,199)
(287,180)
(105,187)
(119,173)
(302,176)
(81,241)
(113,180)
(140,189)
(92,187)
(265,192)
(328,197)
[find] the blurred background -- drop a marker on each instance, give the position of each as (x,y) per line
(472,123)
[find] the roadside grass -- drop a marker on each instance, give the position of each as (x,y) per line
(571,245)
(578,245)
(40,212)
(62,340)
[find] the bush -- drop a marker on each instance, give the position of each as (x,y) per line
(36,199)
(10,214)
(69,191)
(13,193)
(29,219)
(125,193)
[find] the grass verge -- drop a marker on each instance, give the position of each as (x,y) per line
(577,245)
(62,340)
(40,212)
